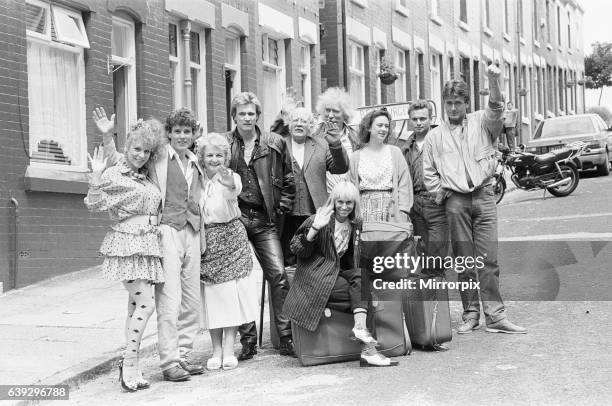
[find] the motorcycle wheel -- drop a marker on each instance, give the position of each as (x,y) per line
(561,191)
(499,188)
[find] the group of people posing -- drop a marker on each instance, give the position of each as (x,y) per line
(187,212)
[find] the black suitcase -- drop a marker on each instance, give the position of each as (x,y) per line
(427,316)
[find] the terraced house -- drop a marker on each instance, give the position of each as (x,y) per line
(140,58)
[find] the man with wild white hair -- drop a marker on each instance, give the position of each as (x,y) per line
(311,157)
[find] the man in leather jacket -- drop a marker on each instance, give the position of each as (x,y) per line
(264,164)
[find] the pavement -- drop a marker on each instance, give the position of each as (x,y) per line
(68,330)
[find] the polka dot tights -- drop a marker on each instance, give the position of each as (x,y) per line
(141,304)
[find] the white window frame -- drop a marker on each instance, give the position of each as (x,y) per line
(174,62)
(199,85)
(234,65)
(379,55)
(525,100)
(306,77)
(435,88)
(507,81)
(46,35)
(74,17)
(435,5)
(402,80)
(420,93)
(279,68)
(46,39)
(466,22)
(536,87)
(354,50)
(130,63)
(506,17)
(402,9)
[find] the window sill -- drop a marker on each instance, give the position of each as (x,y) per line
(402,10)
(525,120)
(550,114)
(538,117)
(522,40)
(436,19)
(536,44)
(507,37)
(549,46)
(463,25)
(487,32)
(45,179)
(560,49)
(360,3)
(569,51)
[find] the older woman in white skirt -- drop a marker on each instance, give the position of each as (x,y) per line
(229,293)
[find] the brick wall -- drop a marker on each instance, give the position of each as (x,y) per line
(56,234)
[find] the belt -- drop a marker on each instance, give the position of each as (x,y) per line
(424,193)
(249,206)
(142,219)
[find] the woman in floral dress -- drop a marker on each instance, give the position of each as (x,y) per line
(380,172)
(132,248)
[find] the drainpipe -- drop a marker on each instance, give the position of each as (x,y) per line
(345,62)
(14,264)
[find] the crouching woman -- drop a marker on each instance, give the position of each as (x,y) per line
(326,275)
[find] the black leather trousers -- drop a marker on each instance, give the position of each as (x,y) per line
(263,235)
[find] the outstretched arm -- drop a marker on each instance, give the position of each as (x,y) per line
(105,127)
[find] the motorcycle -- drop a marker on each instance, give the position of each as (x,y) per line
(555,171)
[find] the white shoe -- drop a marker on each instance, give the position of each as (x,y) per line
(230,363)
(213,363)
(376,360)
(363,335)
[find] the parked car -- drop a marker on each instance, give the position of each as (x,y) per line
(554,133)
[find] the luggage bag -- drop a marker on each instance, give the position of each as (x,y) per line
(427,316)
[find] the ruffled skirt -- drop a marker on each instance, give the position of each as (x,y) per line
(132,251)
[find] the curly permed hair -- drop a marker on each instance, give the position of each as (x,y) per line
(182,116)
(213,140)
(150,133)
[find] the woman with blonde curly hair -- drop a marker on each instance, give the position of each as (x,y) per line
(132,248)
(335,110)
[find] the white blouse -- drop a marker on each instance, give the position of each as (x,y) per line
(219,204)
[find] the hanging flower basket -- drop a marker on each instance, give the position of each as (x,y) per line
(387,78)
(387,74)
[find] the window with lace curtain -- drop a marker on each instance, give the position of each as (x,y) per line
(56,38)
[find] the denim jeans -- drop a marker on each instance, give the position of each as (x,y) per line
(472,219)
(429,222)
(263,235)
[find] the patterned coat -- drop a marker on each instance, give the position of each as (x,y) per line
(318,267)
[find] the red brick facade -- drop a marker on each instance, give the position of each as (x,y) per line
(55,234)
